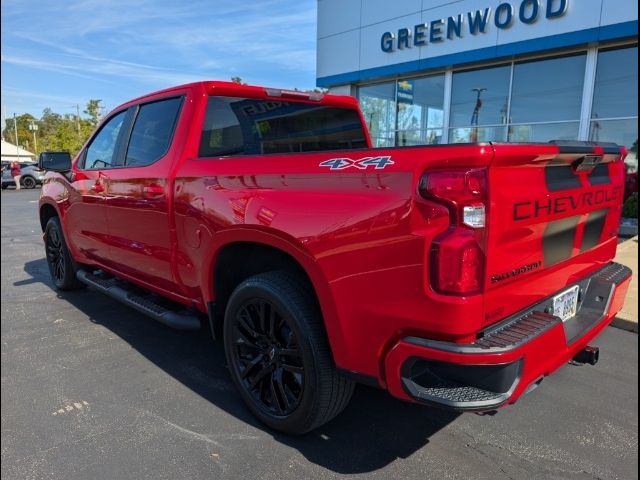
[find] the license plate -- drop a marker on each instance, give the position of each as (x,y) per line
(565,304)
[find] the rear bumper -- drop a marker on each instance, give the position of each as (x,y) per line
(511,358)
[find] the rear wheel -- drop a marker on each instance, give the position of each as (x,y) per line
(279,356)
(28,182)
(61,266)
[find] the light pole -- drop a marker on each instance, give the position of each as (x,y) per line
(77,107)
(15,127)
(33,126)
(476,113)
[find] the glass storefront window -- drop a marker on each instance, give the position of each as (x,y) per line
(614,114)
(548,90)
(419,137)
(378,104)
(479,98)
(477,134)
(526,101)
(622,132)
(420,110)
(409,113)
(543,132)
(616,89)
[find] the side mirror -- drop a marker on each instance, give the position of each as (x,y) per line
(55,161)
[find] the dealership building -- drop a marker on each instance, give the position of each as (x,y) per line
(443,71)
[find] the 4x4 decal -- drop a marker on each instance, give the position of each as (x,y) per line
(362,164)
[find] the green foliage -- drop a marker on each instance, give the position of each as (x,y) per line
(66,132)
(24,134)
(237,80)
(630,208)
(93,110)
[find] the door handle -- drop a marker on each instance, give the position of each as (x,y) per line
(97,187)
(153,191)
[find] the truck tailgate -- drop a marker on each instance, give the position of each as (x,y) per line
(553,218)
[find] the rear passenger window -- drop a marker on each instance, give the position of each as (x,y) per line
(152,132)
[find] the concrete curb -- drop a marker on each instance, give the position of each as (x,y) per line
(624,324)
(627,245)
(627,318)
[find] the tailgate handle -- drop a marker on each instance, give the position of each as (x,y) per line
(587,163)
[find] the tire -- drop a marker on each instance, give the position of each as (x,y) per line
(28,182)
(284,373)
(61,266)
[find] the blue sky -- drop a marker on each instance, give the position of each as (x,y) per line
(59,54)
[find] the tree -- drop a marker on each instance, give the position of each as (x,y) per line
(25,137)
(237,80)
(56,132)
(94,110)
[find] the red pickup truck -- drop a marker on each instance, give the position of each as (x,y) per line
(451,275)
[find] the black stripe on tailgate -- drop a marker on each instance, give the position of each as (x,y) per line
(600,175)
(593,229)
(558,239)
(560,176)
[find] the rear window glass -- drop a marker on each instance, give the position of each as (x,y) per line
(245,126)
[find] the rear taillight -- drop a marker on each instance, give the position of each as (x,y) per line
(457,255)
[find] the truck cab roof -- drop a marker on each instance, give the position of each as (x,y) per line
(233,89)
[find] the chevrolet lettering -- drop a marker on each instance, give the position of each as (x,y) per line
(567,203)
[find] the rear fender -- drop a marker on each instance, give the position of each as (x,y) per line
(288,245)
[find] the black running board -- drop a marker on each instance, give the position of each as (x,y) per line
(117,290)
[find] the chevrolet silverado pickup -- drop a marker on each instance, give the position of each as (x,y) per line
(457,276)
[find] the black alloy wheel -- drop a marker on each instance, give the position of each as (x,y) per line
(55,255)
(279,355)
(61,266)
(268,357)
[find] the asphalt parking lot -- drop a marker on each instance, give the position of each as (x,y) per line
(92,389)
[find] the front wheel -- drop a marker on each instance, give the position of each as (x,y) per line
(61,265)
(279,356)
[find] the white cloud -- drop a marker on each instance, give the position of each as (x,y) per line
(278,32)
(143,45)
